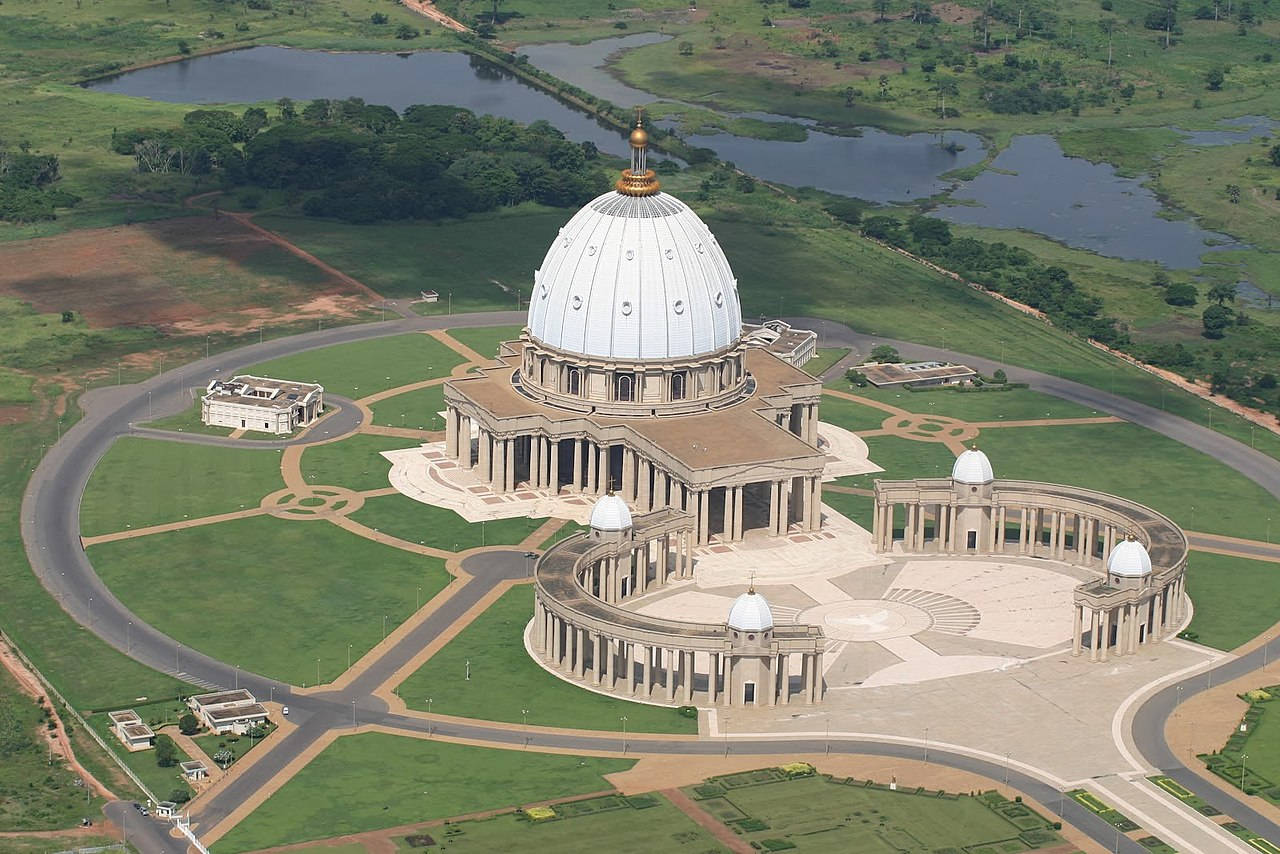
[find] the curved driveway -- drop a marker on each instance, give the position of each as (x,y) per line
(50,527)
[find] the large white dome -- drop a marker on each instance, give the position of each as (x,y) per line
(972,466)
(750,613)
(1129,559)
(635,278)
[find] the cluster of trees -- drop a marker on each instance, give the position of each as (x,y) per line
(1004,269)
(365,163)
(27,193)
(1019,85)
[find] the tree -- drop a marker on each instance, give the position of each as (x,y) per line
(1216,319)
(378,18)
(1233,193)
(1160,279)
(288,112)
(881,7)
(1222,292)
(166,751)
(1000,377)
(1214,77)
(1274,154)
(746,184)
(885,353)
(406,32)
(68,316)
(686,48)
(188,724)
(1181,293)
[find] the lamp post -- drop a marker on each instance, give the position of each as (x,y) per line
(524,715)
(528,563)
(384,626)
(1243,757)
(128,634)
(468,675)
(317,671)
(926,744)
(353,713)
(624,733)
(348,656)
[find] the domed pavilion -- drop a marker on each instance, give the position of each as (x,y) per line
(634,375)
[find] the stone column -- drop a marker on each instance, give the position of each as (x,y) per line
(713,676)
(535,462)
(646,672)
(577,465)
(556,648)
(1093,634)
(818,684)
(593,467)
(593,638)
(451,433)
(729,698)
(1157,628)
(482,456)
(628,475)
(1106,632)
(686,673)
(575,638)
(554,483)
(606,475)
(784,668)
(1076,627)
(645,474)
(739,499)
(909,529)
(1003,527)
(704,517)
(610,664)
(511,465)
(784,508)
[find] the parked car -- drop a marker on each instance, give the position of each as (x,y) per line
(284,710)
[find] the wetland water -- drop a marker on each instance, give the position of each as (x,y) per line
(1082,204)
(1085,205)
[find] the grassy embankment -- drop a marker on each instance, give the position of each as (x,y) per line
(386,780)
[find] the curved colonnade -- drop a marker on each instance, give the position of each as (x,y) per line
(1115,613)
(581,632)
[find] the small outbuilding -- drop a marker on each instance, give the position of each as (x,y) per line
(923,374)
(262,404)
(133,733)
(194,770)
(228,711)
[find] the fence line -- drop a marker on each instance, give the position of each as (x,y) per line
(83,724)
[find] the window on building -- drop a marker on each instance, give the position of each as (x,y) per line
(624,387)
(575,381)
(679,383)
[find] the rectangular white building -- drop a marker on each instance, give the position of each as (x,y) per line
(260,403)
(132,732)
(228,711)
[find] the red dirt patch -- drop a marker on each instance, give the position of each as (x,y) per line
(954,13)
(191,275)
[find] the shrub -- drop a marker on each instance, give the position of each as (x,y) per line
(688,711)
(885,353)
(1181,293)
(188,724)
(378,18)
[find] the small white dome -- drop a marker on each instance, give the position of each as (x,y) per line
(635,278)
(750,613)
(610,514)
(972,466)
(1129,559)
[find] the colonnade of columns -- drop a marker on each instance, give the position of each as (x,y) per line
(583,465)
(1124,621)
(940,526)
(671,669)
(650,564)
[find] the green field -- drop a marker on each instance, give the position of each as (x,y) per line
(636,825)
(35,795)
(850,415)
(361,368)
(142,482)
(504,680)
(903,459)
(416,522)
(1019,404)
(457,259)
(386,780)
(1250,759)
(819,815)
(485,339)
(419,409)
(825,358)
(354,462)
(239,745)
(328,589)
(1130,461)
(1235,599)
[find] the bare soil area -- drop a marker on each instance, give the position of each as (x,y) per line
(187,275)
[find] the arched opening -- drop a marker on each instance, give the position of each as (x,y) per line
(679,383)
(575,381)
(624,387)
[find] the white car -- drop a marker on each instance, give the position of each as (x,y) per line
(284,710)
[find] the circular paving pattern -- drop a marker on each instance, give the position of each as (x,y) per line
(930,428)
(867,619)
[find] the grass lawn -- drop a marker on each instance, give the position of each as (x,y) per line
(355,462)
(386,780)
(161,781)
(504,680)
(412,520)
(1260,746)
(239,745)
(855,507)
(460,260)
(818,816)
(825,358)
(33,795)
(325,595)
(44,844)
(417,409)
(850,415)
(1020,404)
(902,459)
(635,825)
(141,482)
(188,421)
(485,339)
(361,368)
(1130,461)
(1235,599)
(567,530)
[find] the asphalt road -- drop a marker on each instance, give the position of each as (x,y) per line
(51,534)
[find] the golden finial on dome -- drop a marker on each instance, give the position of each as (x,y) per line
(639,180)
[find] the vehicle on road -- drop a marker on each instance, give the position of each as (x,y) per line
(284,710)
